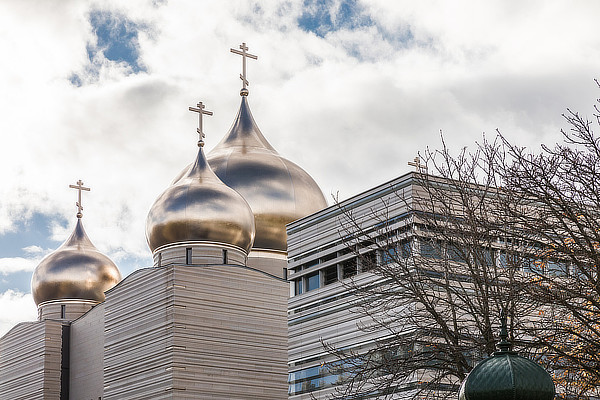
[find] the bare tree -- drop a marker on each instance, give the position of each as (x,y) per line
(446,274)
(555,204)
(498,228)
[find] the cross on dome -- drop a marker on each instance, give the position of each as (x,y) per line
(200,110)
(244,53)
(79,188)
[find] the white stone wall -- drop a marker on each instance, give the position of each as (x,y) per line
(138,344)
(196,332)
(87,355)
(30,361)
(230,334)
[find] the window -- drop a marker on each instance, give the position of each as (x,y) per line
(535,266)
(188,255)
(225,256)
(312,281)
(457,254)
(394,253)
(388,255)
(330,275)
(368,261)
(159,259)
(298,285)
(349,268)
(508,260)
(556,268)
(486,256)
(431,250)
(63,311)
(405,248)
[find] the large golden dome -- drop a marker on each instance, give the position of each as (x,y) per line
(76,270)
(277,190)
(199,207)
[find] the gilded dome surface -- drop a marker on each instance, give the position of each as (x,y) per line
(277,190)
(76,270)
(199,207)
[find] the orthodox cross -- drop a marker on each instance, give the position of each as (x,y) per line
(244,53)
(417,164)
(79,188)
(200,110)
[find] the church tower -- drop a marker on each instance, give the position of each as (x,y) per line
(38,358)
(72,279)
(208,320)
(277,190)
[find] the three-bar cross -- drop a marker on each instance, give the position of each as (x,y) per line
(200,110)
(79,188)
(244,53)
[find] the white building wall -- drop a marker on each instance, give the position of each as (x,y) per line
(87,355)
(30,361)
(230,333)
(138,342)
(326,241)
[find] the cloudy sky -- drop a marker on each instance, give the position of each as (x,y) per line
(351,90)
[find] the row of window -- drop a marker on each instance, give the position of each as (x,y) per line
(434,250)
(326,276)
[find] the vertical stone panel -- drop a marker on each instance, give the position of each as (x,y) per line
(138,329)
(30,361)
(230,333)
(87,355)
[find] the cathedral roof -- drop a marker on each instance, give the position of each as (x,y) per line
(76,270)
(277,190)
(198,207)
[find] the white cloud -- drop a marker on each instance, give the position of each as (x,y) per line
(16,307)
(10,265)
(352,122)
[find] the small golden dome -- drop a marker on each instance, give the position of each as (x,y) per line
(76,270)
(277,190)
(199,207)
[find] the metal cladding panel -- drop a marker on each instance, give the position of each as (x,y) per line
(329,313)
(30,361)
(230,333)
(87,355)
(138,337)
(184,331)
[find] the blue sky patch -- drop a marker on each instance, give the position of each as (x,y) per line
(322,17)
(117,39)
(35,231)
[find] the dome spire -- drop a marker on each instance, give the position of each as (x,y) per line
(79,188)
(200,110)
(504,345)
(244,53)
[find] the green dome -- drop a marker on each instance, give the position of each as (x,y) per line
(507,376)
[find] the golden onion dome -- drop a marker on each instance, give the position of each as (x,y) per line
(277,190)
(76,270)
(199,207)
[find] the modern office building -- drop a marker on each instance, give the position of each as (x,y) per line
(321,264)
(206,321)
